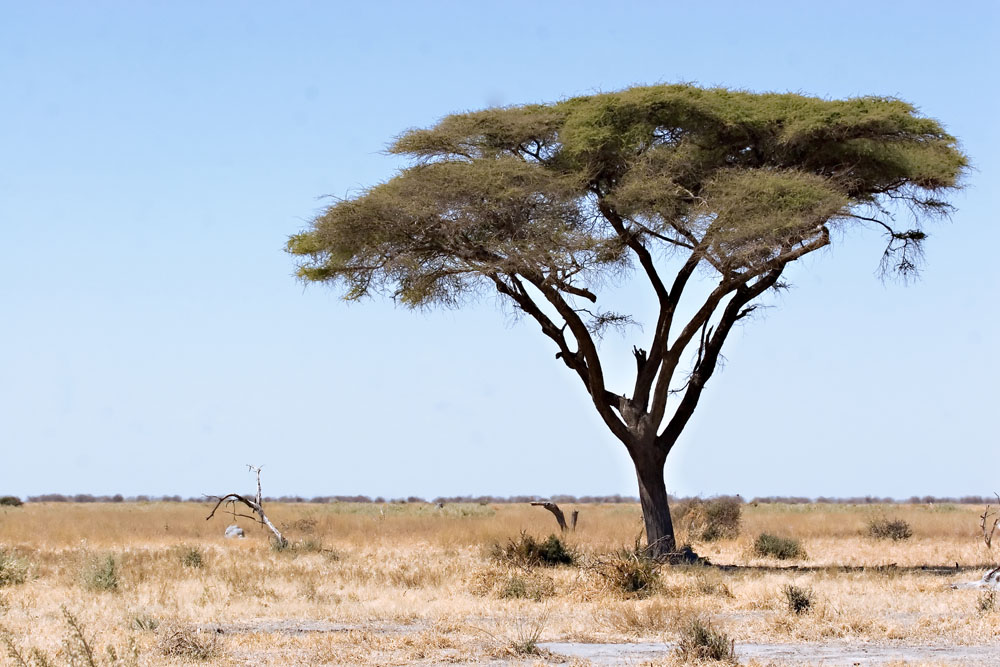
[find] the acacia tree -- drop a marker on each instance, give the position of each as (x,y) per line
(545,204)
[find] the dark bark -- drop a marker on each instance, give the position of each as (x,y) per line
(556,512)
(653,498)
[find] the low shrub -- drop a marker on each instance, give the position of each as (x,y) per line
(507,583)
(701,641)
(191,557)
(987,602)
(189,645)
(708,520)
(10,501)
(526,551)
(883,528)
(145,622)
(100,573)
(630,571)
(13,570)
(799,599)
(773,546)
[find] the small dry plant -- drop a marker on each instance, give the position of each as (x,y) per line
(629,571)
(987,602)
(700,641)
(799,599)
(709,520)
(528,552)
(508,583)
(189,644)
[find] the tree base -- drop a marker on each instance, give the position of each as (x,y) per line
(685,556)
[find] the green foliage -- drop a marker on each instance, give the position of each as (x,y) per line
(782,548)
(709,520)
(100,573)
(799,599)
(10,501)
(13,570)
(513,190)
(883,528)
(526,551)
(702,641)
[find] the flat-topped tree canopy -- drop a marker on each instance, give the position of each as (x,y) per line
(544,202)
(512,189)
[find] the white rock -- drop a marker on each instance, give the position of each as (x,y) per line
(234,531)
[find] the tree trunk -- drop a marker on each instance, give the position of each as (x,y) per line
(655,509)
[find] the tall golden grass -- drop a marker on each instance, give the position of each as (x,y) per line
(411,583)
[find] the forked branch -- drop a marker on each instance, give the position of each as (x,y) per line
(256,506)
(984,519)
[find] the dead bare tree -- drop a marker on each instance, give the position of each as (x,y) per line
(984,520)
(256,506)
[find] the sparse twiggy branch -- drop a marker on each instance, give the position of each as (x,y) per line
(256,506)
(984,521)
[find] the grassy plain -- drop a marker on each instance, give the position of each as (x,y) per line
(154,583)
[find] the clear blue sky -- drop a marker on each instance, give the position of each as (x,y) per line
(156,156)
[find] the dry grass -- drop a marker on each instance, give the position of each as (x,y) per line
(404,584)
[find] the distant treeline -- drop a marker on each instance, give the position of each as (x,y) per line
(565,499)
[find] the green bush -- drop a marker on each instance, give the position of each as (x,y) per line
(782,548)
(799,599)
(701,641)
(883,528)
(100,573)
(10,501)
(13,570)
(526,551)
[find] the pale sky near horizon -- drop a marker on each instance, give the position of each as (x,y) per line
(153,339)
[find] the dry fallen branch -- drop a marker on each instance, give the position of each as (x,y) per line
(256,506)
(558,514)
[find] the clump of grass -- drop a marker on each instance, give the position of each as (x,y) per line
(709,520)
(144,622)
(773,546)
(305,545)
(100,573)
(799,599)
(987,602)
(509,583)
(701,641)
(630,571)
(191,557)
(10,501)
(13,570)
(524,638)
(190,645)
(884,528)
(526,551)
